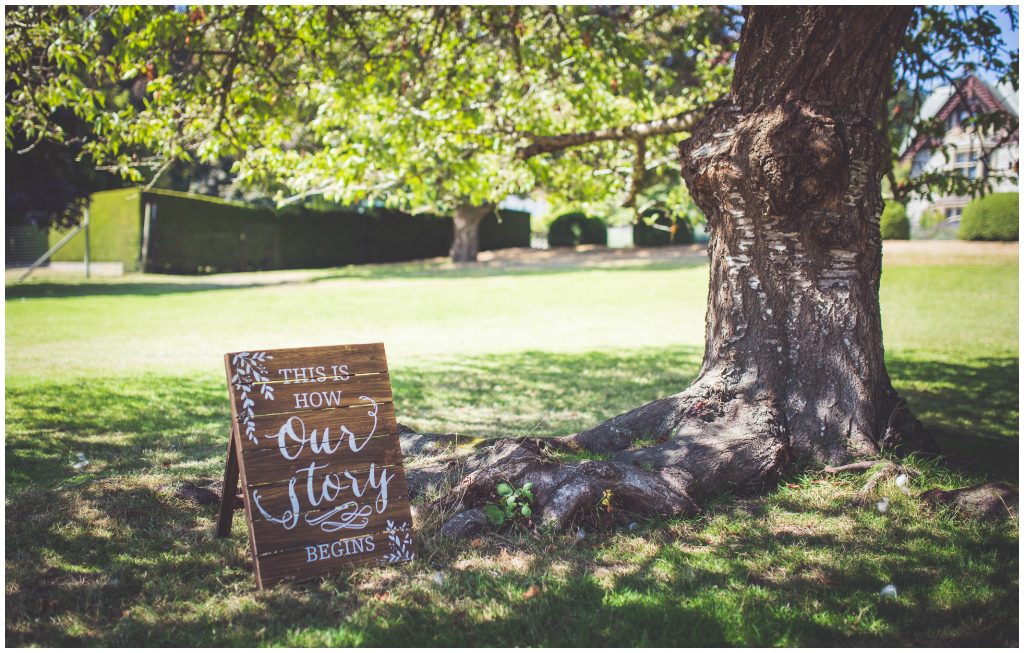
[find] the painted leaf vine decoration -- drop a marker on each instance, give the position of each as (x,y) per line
(250,369)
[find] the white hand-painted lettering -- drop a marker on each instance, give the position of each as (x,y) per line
(349,515)
(293,434)
(372,413)
(314,492)
(290,517)
(341,548)
(317,399)
(321,489)
(378,483)
(313,374)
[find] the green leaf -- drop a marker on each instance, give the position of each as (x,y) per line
(510,501)
(526,511)
(494,514)
(528,495)
(504,489)
(131,73)
(527,486)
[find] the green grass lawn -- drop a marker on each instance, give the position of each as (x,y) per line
(130,373)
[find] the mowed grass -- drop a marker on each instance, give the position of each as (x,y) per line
(130,373)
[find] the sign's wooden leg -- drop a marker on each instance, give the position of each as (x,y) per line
(228,491)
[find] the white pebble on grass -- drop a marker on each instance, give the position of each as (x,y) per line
(883,506)
(438,578)
(82,462)
(902,482)
(889,591)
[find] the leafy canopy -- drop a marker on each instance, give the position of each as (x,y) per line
(416,106)
(427,107)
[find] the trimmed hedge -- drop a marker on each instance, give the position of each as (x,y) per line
(209,235)
(657,227)
(574,229)
(992,217)
(505,228)
(894,222)
(24,243)
(115,230)
(195,234)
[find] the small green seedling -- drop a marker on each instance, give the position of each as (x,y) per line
(513,504)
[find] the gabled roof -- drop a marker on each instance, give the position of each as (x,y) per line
(945,100)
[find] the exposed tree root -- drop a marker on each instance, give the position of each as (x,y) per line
(693,453)
(859,466)
(984,501)
(701,404)
(989,501)
(661,459)
(563,489)
(886,469)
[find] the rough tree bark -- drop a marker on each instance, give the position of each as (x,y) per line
(787,170)
(466,222)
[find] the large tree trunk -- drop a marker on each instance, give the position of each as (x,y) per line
(788,173)
(466,222)
(787,170)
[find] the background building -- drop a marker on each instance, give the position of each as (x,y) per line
(962,147)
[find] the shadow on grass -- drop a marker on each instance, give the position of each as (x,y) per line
(726,579)
(971,406)
(55,290)
(381,272)
(102,557)
(169,424)
(446,270)
(159,424)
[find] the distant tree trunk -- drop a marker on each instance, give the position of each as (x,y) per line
(466,222)
(787,170)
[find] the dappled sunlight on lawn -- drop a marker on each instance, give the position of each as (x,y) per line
(132,377)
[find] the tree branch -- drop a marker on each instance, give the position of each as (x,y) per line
(232,61)
(545,144)
(636,181)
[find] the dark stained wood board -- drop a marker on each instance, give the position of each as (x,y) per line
(316,445)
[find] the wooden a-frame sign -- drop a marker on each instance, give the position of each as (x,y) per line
(315,445)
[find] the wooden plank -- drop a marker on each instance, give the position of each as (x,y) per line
(306,397)
(297,430)
(309,527)
(302,364)
(246,504)
(269,471)
(228,489)
(296,564)
(319,458)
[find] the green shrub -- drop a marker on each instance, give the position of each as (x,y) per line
(931,218)
(992,217)
(574,229)
(895,225)
(657,226)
